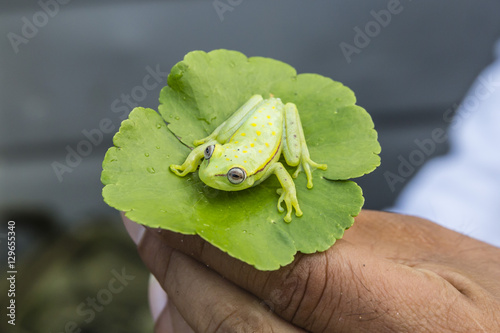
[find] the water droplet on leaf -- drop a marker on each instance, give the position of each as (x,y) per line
(146,154)
(177,118)
(151,169)
(158,126)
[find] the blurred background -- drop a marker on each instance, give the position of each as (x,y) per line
(70,71)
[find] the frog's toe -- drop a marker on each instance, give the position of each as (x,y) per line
(198,142)
(298,211)
(297,171)
(322,166)
(291,203)
(177,169)
(280,209)
(288,217)
(280,200)
(315,165)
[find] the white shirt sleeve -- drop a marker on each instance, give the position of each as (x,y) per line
(461,190)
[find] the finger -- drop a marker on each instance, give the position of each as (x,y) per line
(165,315)
(203,298)
(135,230)
(178,322)
(157,298)
(171,321)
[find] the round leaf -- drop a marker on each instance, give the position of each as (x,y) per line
(204,90)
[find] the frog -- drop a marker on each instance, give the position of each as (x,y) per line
(245,149)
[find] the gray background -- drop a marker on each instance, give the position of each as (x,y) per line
(65,78)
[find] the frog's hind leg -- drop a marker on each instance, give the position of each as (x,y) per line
(226,130)
(287,193)
(295,148)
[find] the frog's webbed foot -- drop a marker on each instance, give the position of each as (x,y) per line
(190,164)
(305,165)
(287,193)
(290,200)
(182,170)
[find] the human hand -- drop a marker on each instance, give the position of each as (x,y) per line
(390,273)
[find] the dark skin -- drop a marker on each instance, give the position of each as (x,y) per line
(389,273)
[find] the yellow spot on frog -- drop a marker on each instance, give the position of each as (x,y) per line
(260,151)
(236,156)
(243,134)
(269,117)
(252,144)
(244,161)
(270,124)
(244,151)
(267,144)
(258,133)
(274,107)
(227,159)
(273,133)
(254,124)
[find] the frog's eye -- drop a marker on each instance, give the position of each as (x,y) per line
(209,151)
(236,175)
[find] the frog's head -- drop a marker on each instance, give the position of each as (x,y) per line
(219,173)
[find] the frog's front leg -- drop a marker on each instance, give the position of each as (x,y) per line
(295,148)
(287,193)
(192,161)
(226,130)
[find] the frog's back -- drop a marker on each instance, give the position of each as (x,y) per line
(257,143)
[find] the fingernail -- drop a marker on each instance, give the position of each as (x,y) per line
(135,230)
(157,297)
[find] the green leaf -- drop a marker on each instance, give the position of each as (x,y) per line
(205,89)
